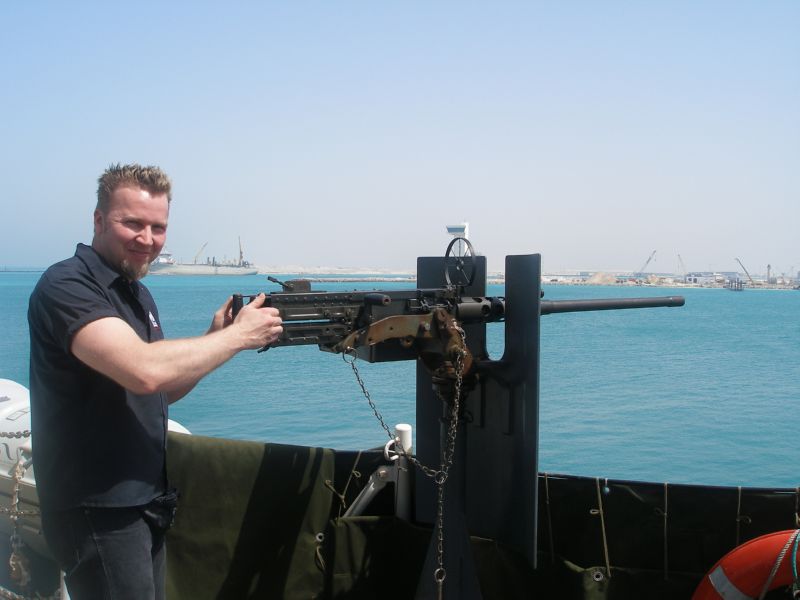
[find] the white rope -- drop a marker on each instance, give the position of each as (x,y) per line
(599,511)
(777,564)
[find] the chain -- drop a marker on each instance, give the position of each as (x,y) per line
(447,461)
(18,564)
(15,434)
(441,474)
(351,353)
(13,512)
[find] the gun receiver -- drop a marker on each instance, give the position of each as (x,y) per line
(336,321)
(339,321)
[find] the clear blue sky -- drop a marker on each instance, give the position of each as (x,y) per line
(351,133)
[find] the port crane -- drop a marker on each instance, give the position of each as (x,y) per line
(241,254)
(196,256)
(683,267)
(745,271)
(640,272)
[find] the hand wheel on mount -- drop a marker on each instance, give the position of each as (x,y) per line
(459,263)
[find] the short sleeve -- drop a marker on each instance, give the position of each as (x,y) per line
(62,303)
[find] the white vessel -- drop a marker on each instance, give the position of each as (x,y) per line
(165,264)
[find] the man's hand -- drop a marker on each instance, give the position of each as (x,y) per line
(223,317)
(260,325)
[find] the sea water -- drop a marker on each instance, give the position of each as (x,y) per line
(706,393)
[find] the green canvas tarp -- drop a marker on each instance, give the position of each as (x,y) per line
(264,521)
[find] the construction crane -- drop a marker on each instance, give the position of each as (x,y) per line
(745,271)
(640,272)
(196,256)
(683,267)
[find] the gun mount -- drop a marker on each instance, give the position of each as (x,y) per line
(492,485)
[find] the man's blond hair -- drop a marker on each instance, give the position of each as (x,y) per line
(150,178)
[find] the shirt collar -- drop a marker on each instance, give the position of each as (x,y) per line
(98,266)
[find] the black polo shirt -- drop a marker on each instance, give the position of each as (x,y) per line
(94,442)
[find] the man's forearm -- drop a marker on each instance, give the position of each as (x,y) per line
(110,346)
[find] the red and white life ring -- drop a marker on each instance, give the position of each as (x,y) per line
(742,572)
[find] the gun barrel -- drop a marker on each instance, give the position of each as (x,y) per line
(562,306)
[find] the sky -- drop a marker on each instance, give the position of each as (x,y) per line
(349,134)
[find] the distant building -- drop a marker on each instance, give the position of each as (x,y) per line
(730,275)
(702,278)
(461,230)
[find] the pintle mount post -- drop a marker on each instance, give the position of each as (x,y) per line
(492,488)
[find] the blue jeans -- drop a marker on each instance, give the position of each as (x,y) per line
(108,553)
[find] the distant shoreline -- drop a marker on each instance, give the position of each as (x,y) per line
(341,275)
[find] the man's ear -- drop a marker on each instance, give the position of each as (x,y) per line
(98,221)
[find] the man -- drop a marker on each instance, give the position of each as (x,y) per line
(101,378)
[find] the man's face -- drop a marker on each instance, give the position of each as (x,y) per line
(132,233)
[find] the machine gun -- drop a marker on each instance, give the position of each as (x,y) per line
(336,321)
(491,406)
(381,325)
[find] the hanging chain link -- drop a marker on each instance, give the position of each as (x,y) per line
(441,474)
(15,434)
(19,568)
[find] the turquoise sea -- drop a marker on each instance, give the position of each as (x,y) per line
(707,393)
